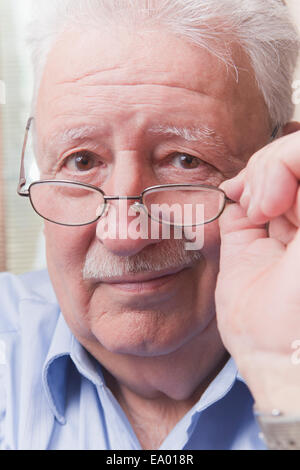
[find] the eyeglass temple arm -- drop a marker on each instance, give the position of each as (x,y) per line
(22,179)
(275,132)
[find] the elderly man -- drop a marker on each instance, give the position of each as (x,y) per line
(138,104)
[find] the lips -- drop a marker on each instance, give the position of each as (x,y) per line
(142,277)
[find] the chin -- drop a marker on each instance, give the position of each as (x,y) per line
(144,335)
(143,348)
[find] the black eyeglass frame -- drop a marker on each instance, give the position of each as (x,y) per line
(139,199)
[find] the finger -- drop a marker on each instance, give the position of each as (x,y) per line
(235,186)
(292,258)
(286,150)
(279,191)
(237,234)
(246,253)
(282,229)
(273,176)
(277,196)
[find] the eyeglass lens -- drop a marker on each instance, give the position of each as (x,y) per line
(74,204)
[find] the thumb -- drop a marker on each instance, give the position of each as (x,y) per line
(239,236)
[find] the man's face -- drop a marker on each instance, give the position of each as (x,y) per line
(103,93)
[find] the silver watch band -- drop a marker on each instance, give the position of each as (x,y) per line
(279,431)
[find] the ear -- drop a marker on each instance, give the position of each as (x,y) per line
(290,128)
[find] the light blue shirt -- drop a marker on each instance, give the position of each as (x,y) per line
(53,395)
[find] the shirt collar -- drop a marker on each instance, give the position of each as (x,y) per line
(220,385)
(65,349)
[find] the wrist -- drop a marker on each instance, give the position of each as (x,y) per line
(274,384)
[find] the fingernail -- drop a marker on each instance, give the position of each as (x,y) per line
(234,187)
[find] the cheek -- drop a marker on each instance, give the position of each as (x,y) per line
(212,241)
(66,247)
(206,280)
(211,253)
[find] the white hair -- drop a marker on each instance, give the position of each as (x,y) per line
(262,28)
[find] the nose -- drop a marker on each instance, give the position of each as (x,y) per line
(125,228)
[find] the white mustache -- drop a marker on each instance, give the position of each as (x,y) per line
(168,254)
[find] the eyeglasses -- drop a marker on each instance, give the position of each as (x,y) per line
(71,203)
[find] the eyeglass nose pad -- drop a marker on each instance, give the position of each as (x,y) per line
(102,209)
(137,207)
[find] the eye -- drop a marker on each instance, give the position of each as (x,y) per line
(81,161)
(185,161)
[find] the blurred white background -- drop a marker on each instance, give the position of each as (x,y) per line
(21,237)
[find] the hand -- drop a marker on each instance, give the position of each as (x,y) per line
(258,288)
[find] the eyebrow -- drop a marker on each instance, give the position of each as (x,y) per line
(201,134)
(191,134)
(77,133)
(70,136)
